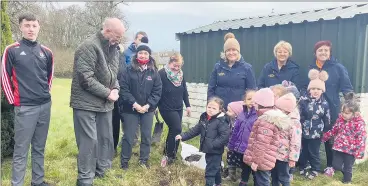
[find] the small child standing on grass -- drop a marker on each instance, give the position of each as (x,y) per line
(315,119)
(239,140)
(290,142)
(349,144)
(264,139)
(232,113)
(214,131)
(295,117)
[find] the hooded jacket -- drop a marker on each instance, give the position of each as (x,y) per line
(129,52)
(264,139)
(242,128)
(350,137)
(290,140)
(314,116)
(337,82)
(214,133)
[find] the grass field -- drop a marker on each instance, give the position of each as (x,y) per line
(61,164)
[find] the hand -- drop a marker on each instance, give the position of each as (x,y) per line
(146,107)
(189,111)
(178,137)
(291,163)
(138,108)
(114,95)
(115,91)
(254,166)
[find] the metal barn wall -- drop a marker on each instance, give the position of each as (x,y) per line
(348,36)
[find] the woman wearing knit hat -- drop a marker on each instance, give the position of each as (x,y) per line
(315,119)
(290,142)
(140,91)
(280,68)
(231,76)
(337,82)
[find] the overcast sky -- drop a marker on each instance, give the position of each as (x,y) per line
(161,20)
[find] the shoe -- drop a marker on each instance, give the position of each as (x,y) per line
(82,184)
(303,172)
(41,184)
(99,176)
(346,182)
(125,166)
(243,183)
(144,164)
(170,161)
(329,171)
(225,172)
(311,175)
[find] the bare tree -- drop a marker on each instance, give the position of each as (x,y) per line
(96,12)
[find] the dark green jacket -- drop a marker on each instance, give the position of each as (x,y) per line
(96,65)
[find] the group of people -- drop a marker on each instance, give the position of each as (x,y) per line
(266,126)
(281,120)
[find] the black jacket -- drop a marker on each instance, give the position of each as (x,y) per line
(172,97)
(214,133)
(141,87)
(27,73)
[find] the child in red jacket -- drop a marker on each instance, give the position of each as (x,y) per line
(349,144)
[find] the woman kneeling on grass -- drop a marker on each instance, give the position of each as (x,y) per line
(214,131)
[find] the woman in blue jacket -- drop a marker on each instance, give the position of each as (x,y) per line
(281,68)
(337,82)
(232,76)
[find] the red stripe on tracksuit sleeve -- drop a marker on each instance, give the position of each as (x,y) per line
(51,75)
(5,76)
(16,89)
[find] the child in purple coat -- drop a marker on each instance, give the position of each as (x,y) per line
(239,140)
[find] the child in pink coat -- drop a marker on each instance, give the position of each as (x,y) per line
(350,136)
(290,142)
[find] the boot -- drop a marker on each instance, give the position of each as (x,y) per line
(232,174)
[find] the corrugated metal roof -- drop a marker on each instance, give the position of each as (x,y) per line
(282,19)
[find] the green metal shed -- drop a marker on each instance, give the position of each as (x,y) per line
(346,27)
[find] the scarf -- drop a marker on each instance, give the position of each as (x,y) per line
(175,78)
(143,62)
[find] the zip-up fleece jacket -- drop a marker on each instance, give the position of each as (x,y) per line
(214,133)
(264,139)
(350,136)
(96,64)
(27,72)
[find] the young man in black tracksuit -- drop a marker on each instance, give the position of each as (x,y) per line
(27,72)
(140,92)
